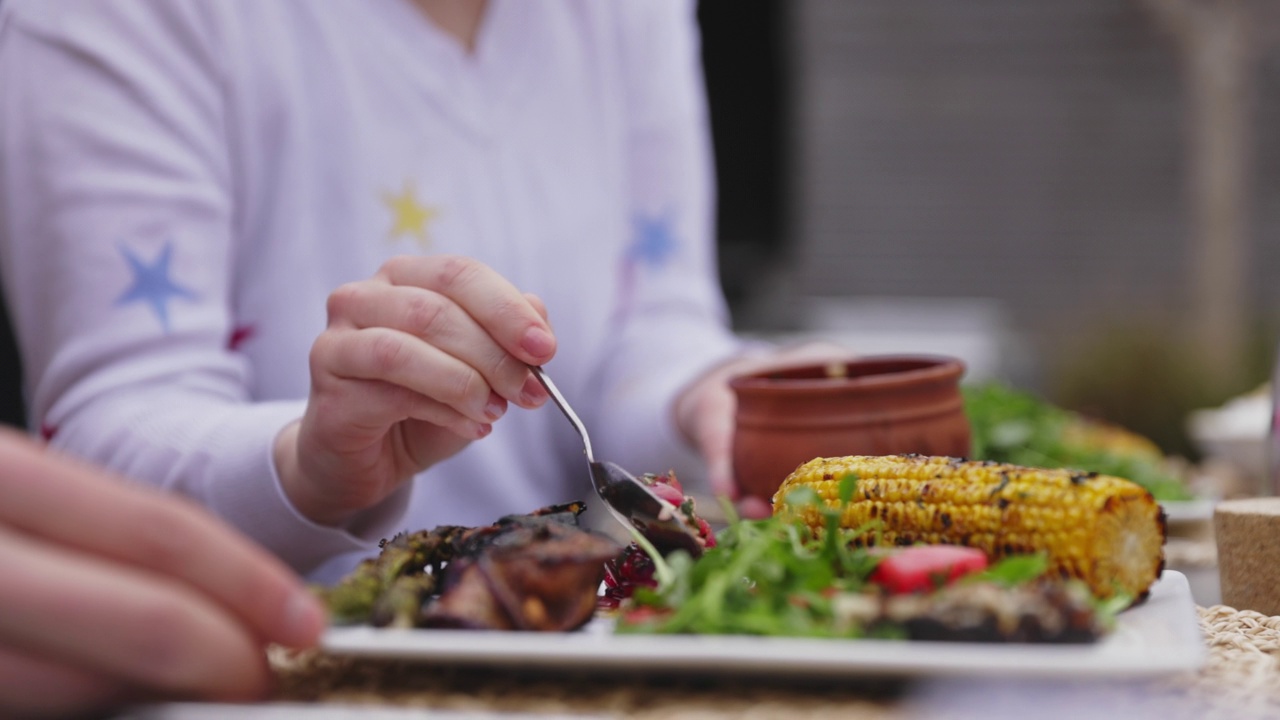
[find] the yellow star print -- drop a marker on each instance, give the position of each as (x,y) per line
(408,216)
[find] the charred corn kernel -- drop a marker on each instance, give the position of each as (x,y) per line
(1104,530)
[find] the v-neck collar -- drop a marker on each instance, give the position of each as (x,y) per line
(446,43)
(476,82)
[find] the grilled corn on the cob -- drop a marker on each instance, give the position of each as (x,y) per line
(1103,530)
(1106,437)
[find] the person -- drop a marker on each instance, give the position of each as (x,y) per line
(114,594)
(292,259)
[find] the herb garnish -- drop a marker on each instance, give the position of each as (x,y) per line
(779,577)
(764,577)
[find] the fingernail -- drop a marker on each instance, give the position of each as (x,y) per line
(483,429)
(304,617)
(496,407)
(533,393)
(538,342)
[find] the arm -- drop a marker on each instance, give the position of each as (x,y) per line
(120,255)
(117,239)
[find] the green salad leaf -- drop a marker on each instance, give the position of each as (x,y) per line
(1012,426)
(1014,570)
(763,577)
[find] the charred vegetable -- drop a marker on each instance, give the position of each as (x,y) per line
(538,571)
(1103,530)
(419,555)
(781,577)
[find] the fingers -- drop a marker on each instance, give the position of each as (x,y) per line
(704,412)
(429,352)
(448,328)
(442,388)
(754,508)
(714,433)
(113,619)
(65,502)
(494,303)
(537,304)
(716,445)
(32,686)
(444,326)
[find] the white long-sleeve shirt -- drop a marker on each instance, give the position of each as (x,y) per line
(184,182)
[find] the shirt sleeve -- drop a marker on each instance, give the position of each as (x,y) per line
(116,241)
(672,320)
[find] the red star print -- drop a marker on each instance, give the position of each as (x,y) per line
(47,431)
(240,335)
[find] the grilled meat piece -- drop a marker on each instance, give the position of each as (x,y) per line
(469,604)
(526,576)
(538,571)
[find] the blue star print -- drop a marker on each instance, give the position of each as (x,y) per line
(151,284)
(654,240)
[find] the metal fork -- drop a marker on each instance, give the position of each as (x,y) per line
(629,499)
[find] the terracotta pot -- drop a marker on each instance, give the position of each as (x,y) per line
(872,405)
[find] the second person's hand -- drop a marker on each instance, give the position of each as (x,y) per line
(705,414)
(416,362)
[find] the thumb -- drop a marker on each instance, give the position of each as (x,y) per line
(715,428)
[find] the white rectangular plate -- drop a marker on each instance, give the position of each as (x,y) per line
(1160,636)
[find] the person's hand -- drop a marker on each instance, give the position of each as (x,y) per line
(705,414)
(111,593)
(416,362)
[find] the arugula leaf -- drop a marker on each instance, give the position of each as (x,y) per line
(777,576)
(1012,426)
(1108,609)
(1014,570)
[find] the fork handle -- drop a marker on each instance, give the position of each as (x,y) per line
(563,404)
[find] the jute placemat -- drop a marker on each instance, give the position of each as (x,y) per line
(318,677)
(1242,674)
(1241,678)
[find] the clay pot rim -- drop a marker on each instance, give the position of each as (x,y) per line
(937,367)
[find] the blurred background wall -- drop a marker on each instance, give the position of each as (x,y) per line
(1079,196)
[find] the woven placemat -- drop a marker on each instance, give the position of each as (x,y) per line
(1241,679)
(319,677)
(1242,674)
